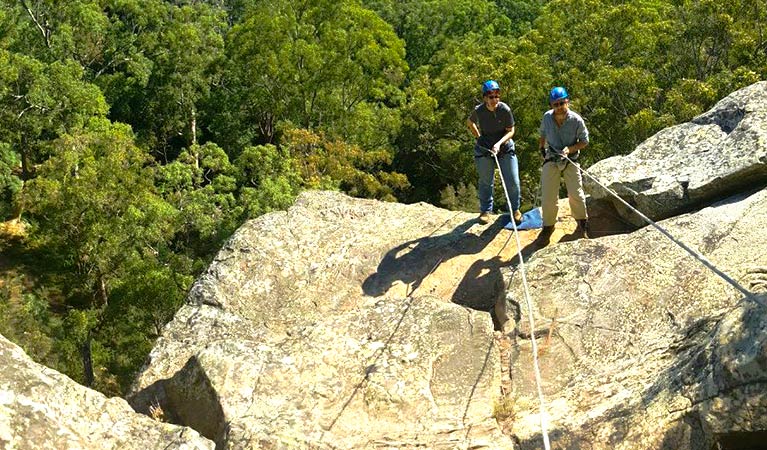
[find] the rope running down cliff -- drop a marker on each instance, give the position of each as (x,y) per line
(536,366)
(749,295)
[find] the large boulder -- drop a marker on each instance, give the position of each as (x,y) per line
(329,250)
(348,323)
(412,373)
(320,327)
(41,408)
(642,346)
(685,167)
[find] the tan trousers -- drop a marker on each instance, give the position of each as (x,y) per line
(550,191)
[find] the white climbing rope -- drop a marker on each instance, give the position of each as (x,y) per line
(749,295)
(536,366)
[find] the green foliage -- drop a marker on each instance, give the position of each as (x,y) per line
(25,318)
(521,13)
(10,181)
(185,52)
(268,178)
(95,203)
(141,303)
(41,101)
(201,185)
(313,64)
(427,26)
(237,105)
(97,213)
(462,198)
(334,164)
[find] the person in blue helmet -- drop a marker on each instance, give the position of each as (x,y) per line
(492,124)
(563,133)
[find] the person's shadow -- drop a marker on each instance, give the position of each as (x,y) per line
(411,262)
(482,286)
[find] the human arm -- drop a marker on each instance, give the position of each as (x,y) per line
(505,138)
(473,129)
(575,148)
(582,139)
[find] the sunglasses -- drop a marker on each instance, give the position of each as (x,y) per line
(493,96)
(559,103)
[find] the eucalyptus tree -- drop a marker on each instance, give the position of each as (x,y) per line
(426,26)
(313,64)
(97,214)
(52,52)
(202,185)
(173,54)
(718,47)
(268,179)
(38,102)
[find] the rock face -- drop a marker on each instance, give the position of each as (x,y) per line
(642,346)
(681,168)
(41,408)
(347,323)
(316,328)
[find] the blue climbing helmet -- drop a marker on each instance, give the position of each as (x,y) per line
(490,85)
(557,93)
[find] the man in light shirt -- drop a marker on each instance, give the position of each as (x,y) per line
(563,133)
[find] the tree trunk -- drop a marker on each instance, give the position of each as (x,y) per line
(102,293)
(194,127)
(85,351)
(25,175)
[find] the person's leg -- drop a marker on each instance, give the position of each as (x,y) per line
(575,194)
(485,171)
(549,193)
(510,173)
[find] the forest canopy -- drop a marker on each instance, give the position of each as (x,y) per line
(137,135)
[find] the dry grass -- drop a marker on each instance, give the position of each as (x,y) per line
(503,410)
(156,412)
(13,229)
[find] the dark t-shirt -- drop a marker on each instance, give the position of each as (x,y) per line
(492,126)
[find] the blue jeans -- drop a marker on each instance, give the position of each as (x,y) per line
(509,172)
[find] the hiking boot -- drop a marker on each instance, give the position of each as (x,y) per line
(583,228)
(545,234)
(484,218)
(517,217)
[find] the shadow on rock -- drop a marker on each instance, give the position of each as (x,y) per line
(411,262)
(481,286)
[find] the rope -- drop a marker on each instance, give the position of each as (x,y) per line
(536,367)
(748,294)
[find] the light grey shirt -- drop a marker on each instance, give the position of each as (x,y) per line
(557,137)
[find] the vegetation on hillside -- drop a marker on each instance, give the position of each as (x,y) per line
(137,135)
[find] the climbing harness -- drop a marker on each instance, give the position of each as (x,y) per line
(490,153)
(749,295)
(536,366)
(559,157)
